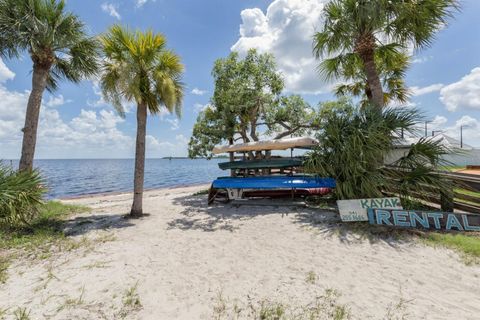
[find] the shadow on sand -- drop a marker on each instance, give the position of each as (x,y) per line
(219,216)
(83,224)
(197,215)
(328,223)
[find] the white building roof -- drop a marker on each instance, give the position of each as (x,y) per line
(444,140)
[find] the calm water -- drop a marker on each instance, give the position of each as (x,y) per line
(67,178)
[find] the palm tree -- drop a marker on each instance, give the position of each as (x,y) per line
(360,27)
(391,66)
(58,46)
(138,68)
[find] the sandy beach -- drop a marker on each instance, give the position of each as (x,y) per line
(189,261)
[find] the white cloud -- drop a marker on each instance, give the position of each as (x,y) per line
(174,123)
(154,143)
(470,127)
(180,138)
(438,122)
(286,30)
(140,3)
(94,133)
(12,116)
(464,93)
(198,107)
(198,92)
(55,101)
(89,134)
(5,73)
(408,104)
(157,148)
(100,101)
(111,9)
(420,59)
(418,91)
(471,130)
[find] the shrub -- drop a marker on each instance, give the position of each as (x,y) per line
(354,142)
(21,194)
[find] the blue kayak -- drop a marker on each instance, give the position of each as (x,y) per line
(273,182)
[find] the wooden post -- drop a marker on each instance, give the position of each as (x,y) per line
(232,158)
(446,198)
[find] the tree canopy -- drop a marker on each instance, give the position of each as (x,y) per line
(247,104)
(56,40)
(356,30)
(392,66)
(139,68)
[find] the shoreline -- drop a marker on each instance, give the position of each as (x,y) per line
(119,193)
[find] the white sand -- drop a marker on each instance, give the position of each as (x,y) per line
(184,254)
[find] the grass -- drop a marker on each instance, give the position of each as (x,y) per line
(131,302)
(72,302)
(324,306)
(468,192)
(97,265)
(4,263)
(271,310)
(452,168)
(397,311)
(200,193)
(220,307)
(131,298)
(468,245)
(44,230)
(21,314)
(46,227)
(311,277)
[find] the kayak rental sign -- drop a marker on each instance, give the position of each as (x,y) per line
(431,220)
(356,209)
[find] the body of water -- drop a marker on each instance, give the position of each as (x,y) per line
(72,177)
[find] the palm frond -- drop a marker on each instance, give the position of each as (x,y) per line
(56,40)
(139,68)
(21,194)
(353,143)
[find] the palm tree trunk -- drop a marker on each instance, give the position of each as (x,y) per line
(365,47)
(39,83)
(373,80)
(137,206)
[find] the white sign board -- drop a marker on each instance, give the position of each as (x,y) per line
(356,210)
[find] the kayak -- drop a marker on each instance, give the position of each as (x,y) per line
(273,182)
(261,164)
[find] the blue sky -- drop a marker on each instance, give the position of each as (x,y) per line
(76,123)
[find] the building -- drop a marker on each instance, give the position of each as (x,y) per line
(462,154)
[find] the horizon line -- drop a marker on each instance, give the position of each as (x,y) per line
(159,158)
